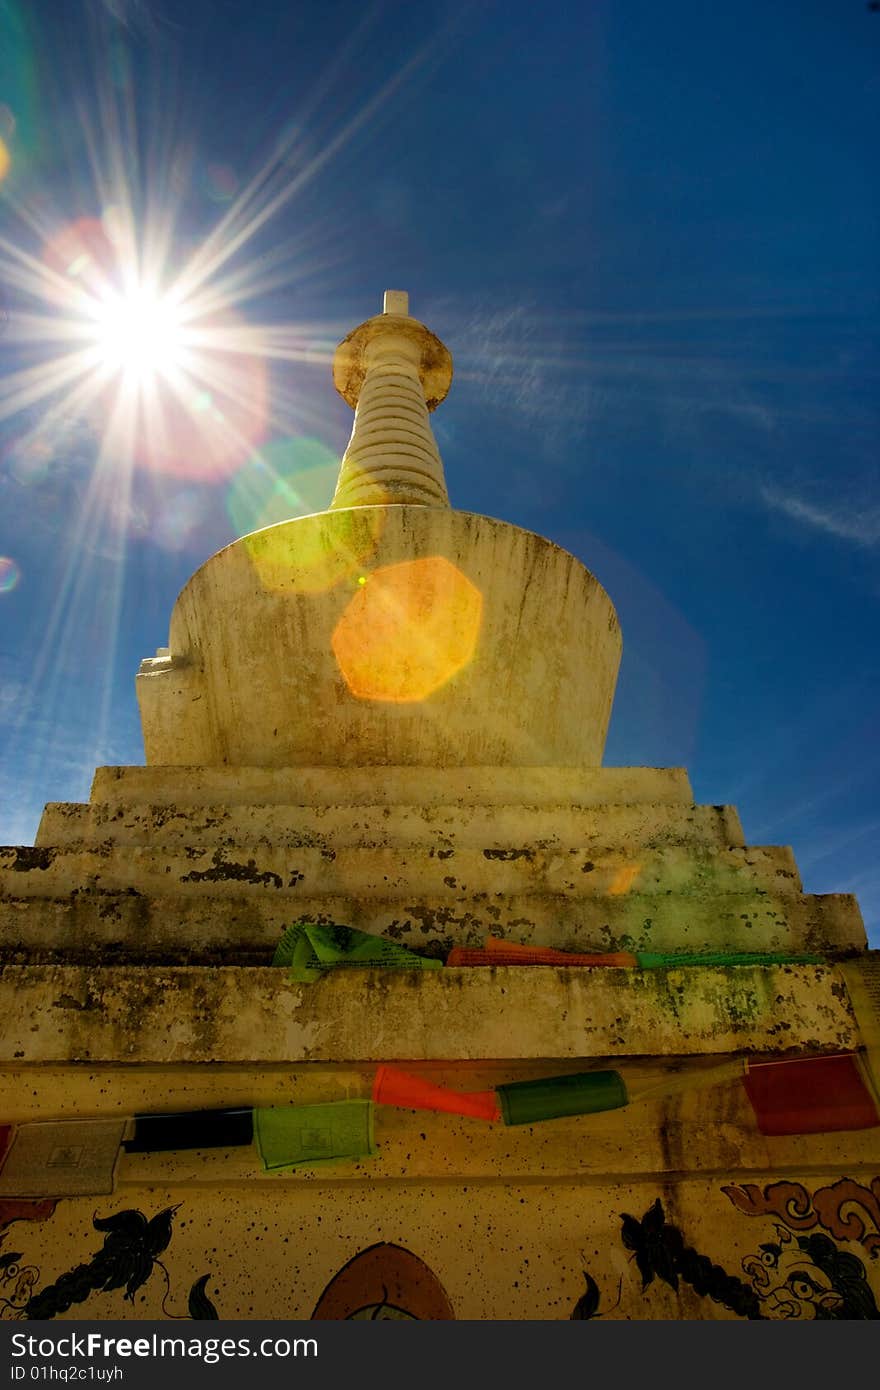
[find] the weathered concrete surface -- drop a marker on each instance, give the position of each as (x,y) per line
(356,871)
(252,677)
(131,926)
(228,1014)
(198,785)
(642,825)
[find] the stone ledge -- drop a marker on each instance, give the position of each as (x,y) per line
(232,1014)
(382,785)
(112,927)
(631,826)
(395,873)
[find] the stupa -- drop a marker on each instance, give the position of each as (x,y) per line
(390,716)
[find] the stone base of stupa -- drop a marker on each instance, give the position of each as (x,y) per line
(137,937)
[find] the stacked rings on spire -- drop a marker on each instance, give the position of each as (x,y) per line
(394,371)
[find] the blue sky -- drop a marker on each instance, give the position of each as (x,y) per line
(648,234)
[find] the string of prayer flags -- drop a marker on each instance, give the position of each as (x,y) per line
(669,960)
(862,978)
(698,1074)
(498,952)
(579,1093)
(393,1087)
(62,1158)
(7,1134)
(191,1129)
(287,1135)
(810,1095)
(311,950)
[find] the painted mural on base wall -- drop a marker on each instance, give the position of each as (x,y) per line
(127,1258)
(782,1250)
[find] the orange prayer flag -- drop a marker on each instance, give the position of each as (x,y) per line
(393,1087)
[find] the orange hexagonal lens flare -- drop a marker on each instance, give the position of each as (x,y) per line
(408,630)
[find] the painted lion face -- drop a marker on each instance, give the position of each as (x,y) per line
(788,1282)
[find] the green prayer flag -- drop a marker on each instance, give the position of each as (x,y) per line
(290,1134)
(311,950)
(577,1093)
(669,960)
(296,950)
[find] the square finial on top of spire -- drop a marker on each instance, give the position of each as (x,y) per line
(396,302)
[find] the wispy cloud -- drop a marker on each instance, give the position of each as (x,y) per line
(522,365)
(855,523)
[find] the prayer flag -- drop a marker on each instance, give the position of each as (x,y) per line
(64,1158)
(579,1093)
(191,1129)
(496,952)
(696,1074)
(669,960)
(809,1095)
(393,1087)
(311,950)
(862,977)
(290,1134)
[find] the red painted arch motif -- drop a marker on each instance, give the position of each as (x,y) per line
(384,1282)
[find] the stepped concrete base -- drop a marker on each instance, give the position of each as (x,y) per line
(209,865)
(134,947)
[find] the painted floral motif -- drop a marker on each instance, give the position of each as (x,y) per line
(130,1253)
(793,1277)
(841,1208)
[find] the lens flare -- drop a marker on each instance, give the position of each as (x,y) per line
(623,879)
(281,480)
(83,258)
(139,334)
(177,520)
(317,552)
(408,630)
(9,574)
(221,183)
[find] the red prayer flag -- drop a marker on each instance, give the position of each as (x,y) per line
(6,1133)
(393,1087)
(498,952)
(809,1095)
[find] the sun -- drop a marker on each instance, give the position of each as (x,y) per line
(139,334)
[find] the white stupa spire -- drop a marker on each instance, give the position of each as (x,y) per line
(392,371)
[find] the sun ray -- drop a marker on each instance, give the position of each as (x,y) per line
(36,279)
(34,384)
(122,325)
(215,252)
